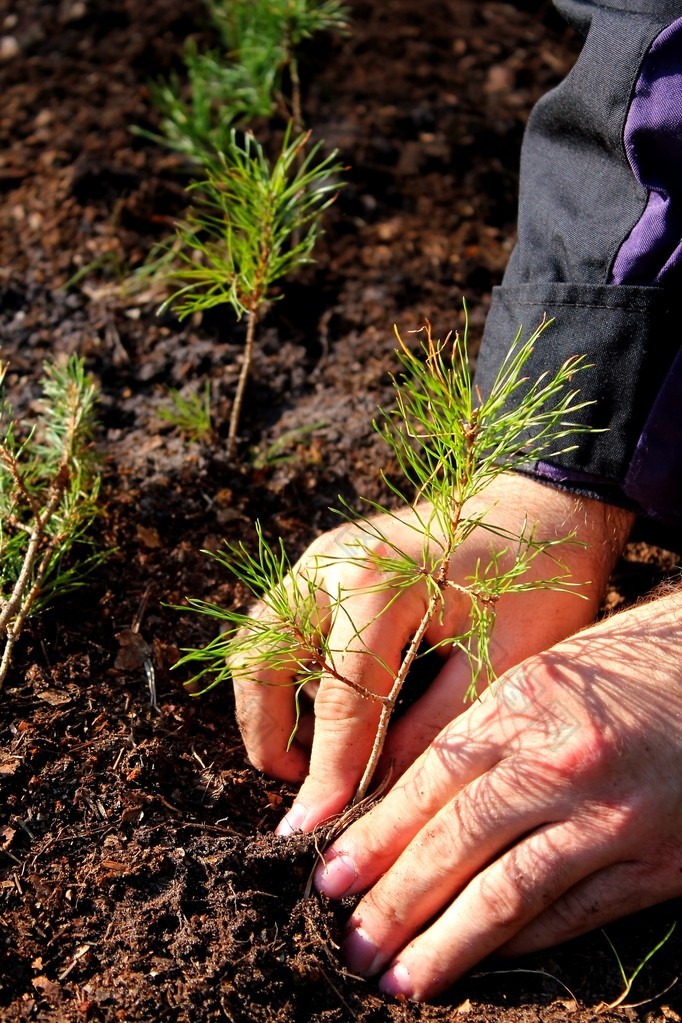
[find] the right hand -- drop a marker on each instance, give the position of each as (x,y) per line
(552,806)
(337,727)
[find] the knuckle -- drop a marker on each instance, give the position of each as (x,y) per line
(336,702)
(417,790)
(506,902)
(381,904)
(576,908)
(584,753)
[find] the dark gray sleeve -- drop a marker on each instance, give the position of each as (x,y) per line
(588,254)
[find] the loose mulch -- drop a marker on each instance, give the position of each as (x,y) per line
(139,877)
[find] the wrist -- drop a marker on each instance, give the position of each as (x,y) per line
(595,522)
(600,530)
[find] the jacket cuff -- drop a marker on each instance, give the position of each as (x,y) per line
(627,336)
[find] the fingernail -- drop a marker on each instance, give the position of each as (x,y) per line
(396,982)
(337,876)
(360,953)
(293,821)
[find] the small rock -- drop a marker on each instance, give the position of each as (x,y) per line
(9,47)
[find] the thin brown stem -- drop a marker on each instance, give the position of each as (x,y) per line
(14,471)
(361,690)
(12,604)
(296,105)
(17,607)
(435,602)
(390,701)
(251,319)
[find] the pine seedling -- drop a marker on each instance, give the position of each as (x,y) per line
(284,449)
(629,979)
(251,223)
(449,443)
(191,415)
(49,484)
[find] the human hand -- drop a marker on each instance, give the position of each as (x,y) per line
(550,807)
(335,733)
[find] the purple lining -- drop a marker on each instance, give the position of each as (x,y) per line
(555,474)
(654,479)
(653,143)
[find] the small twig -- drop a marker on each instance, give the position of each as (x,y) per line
(147,663)
(336,991)
(247,357)
(541,973)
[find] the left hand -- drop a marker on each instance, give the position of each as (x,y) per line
(552,806)
(373,623)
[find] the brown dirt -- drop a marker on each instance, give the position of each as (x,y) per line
(139,880)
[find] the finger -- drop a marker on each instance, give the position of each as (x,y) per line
(496,905)
(467,833)
(462,753)
(345,719)
(607,895)
(520,713)
(266,715)
(268,700)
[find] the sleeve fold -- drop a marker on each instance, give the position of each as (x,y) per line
(579,200)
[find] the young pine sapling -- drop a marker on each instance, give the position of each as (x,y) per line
(450,443)
(251,223)
(49,485)
(196,118)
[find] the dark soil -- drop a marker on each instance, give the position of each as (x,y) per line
(139,877)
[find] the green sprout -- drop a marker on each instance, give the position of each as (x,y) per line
(250,224)
(49,484)
(629,979)
(221,95)
(450,443)
(192,415)
(283,449)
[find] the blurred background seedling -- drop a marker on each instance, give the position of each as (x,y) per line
(254,215)
(49,487)
(284,449)
(253,73)
(281,27)
(190,415)
(197,114)
(110,261)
